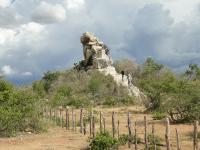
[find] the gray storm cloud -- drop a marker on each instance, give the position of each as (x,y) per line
(44,35)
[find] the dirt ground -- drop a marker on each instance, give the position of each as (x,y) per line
(58,138)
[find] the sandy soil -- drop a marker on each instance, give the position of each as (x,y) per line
(54,139)
(59,139)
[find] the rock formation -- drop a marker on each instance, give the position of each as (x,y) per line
(96,56)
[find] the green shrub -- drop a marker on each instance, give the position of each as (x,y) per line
(110,101)
(38,125)
(191,134)
(152,147)
(86,119)
(94,85)
(49,78)
(124,139)
(18,110)
(128,100)
(158,116)
(152,139)
(103,141)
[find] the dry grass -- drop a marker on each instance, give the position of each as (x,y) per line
(60,139)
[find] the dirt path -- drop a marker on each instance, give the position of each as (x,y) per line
(59,139)
(54,139)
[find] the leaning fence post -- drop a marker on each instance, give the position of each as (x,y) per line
(167,134)
(113,123)
(145,133)
(195,140)
(177,140)
(81,120)
(129,130)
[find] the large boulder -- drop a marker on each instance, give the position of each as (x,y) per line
(95,52)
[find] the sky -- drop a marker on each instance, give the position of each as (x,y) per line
(41,35)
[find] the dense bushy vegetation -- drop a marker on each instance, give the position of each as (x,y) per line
(18,110)
(80,88)
(176,95)
(104,141)
(168,94)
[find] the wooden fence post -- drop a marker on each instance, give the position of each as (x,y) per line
(93,127)
(129,130)
(60,115)
(100,122)
(145,133)
(67,118)
(195,134)
(91,122)
(136,136)
(84,128)
(113,124)
(75,122)
(54,115)
(118,129)
(177,140)
(73,127)
(50,113)
(153,133)
(81,120)
(104,125)
(62,120)
(167,134)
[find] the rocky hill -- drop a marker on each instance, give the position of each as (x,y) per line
(94,80)
(97,56)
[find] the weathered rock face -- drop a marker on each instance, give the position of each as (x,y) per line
(96,56)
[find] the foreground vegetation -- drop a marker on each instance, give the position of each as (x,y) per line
(19,110)
(168,94)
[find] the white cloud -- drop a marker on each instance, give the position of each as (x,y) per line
(7,70)
(181,10)
(9,18)
(48,13)
(32,28)
(26,34)
(6,35)
(133,29)
(74,4)
(4,3)
(27,74)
